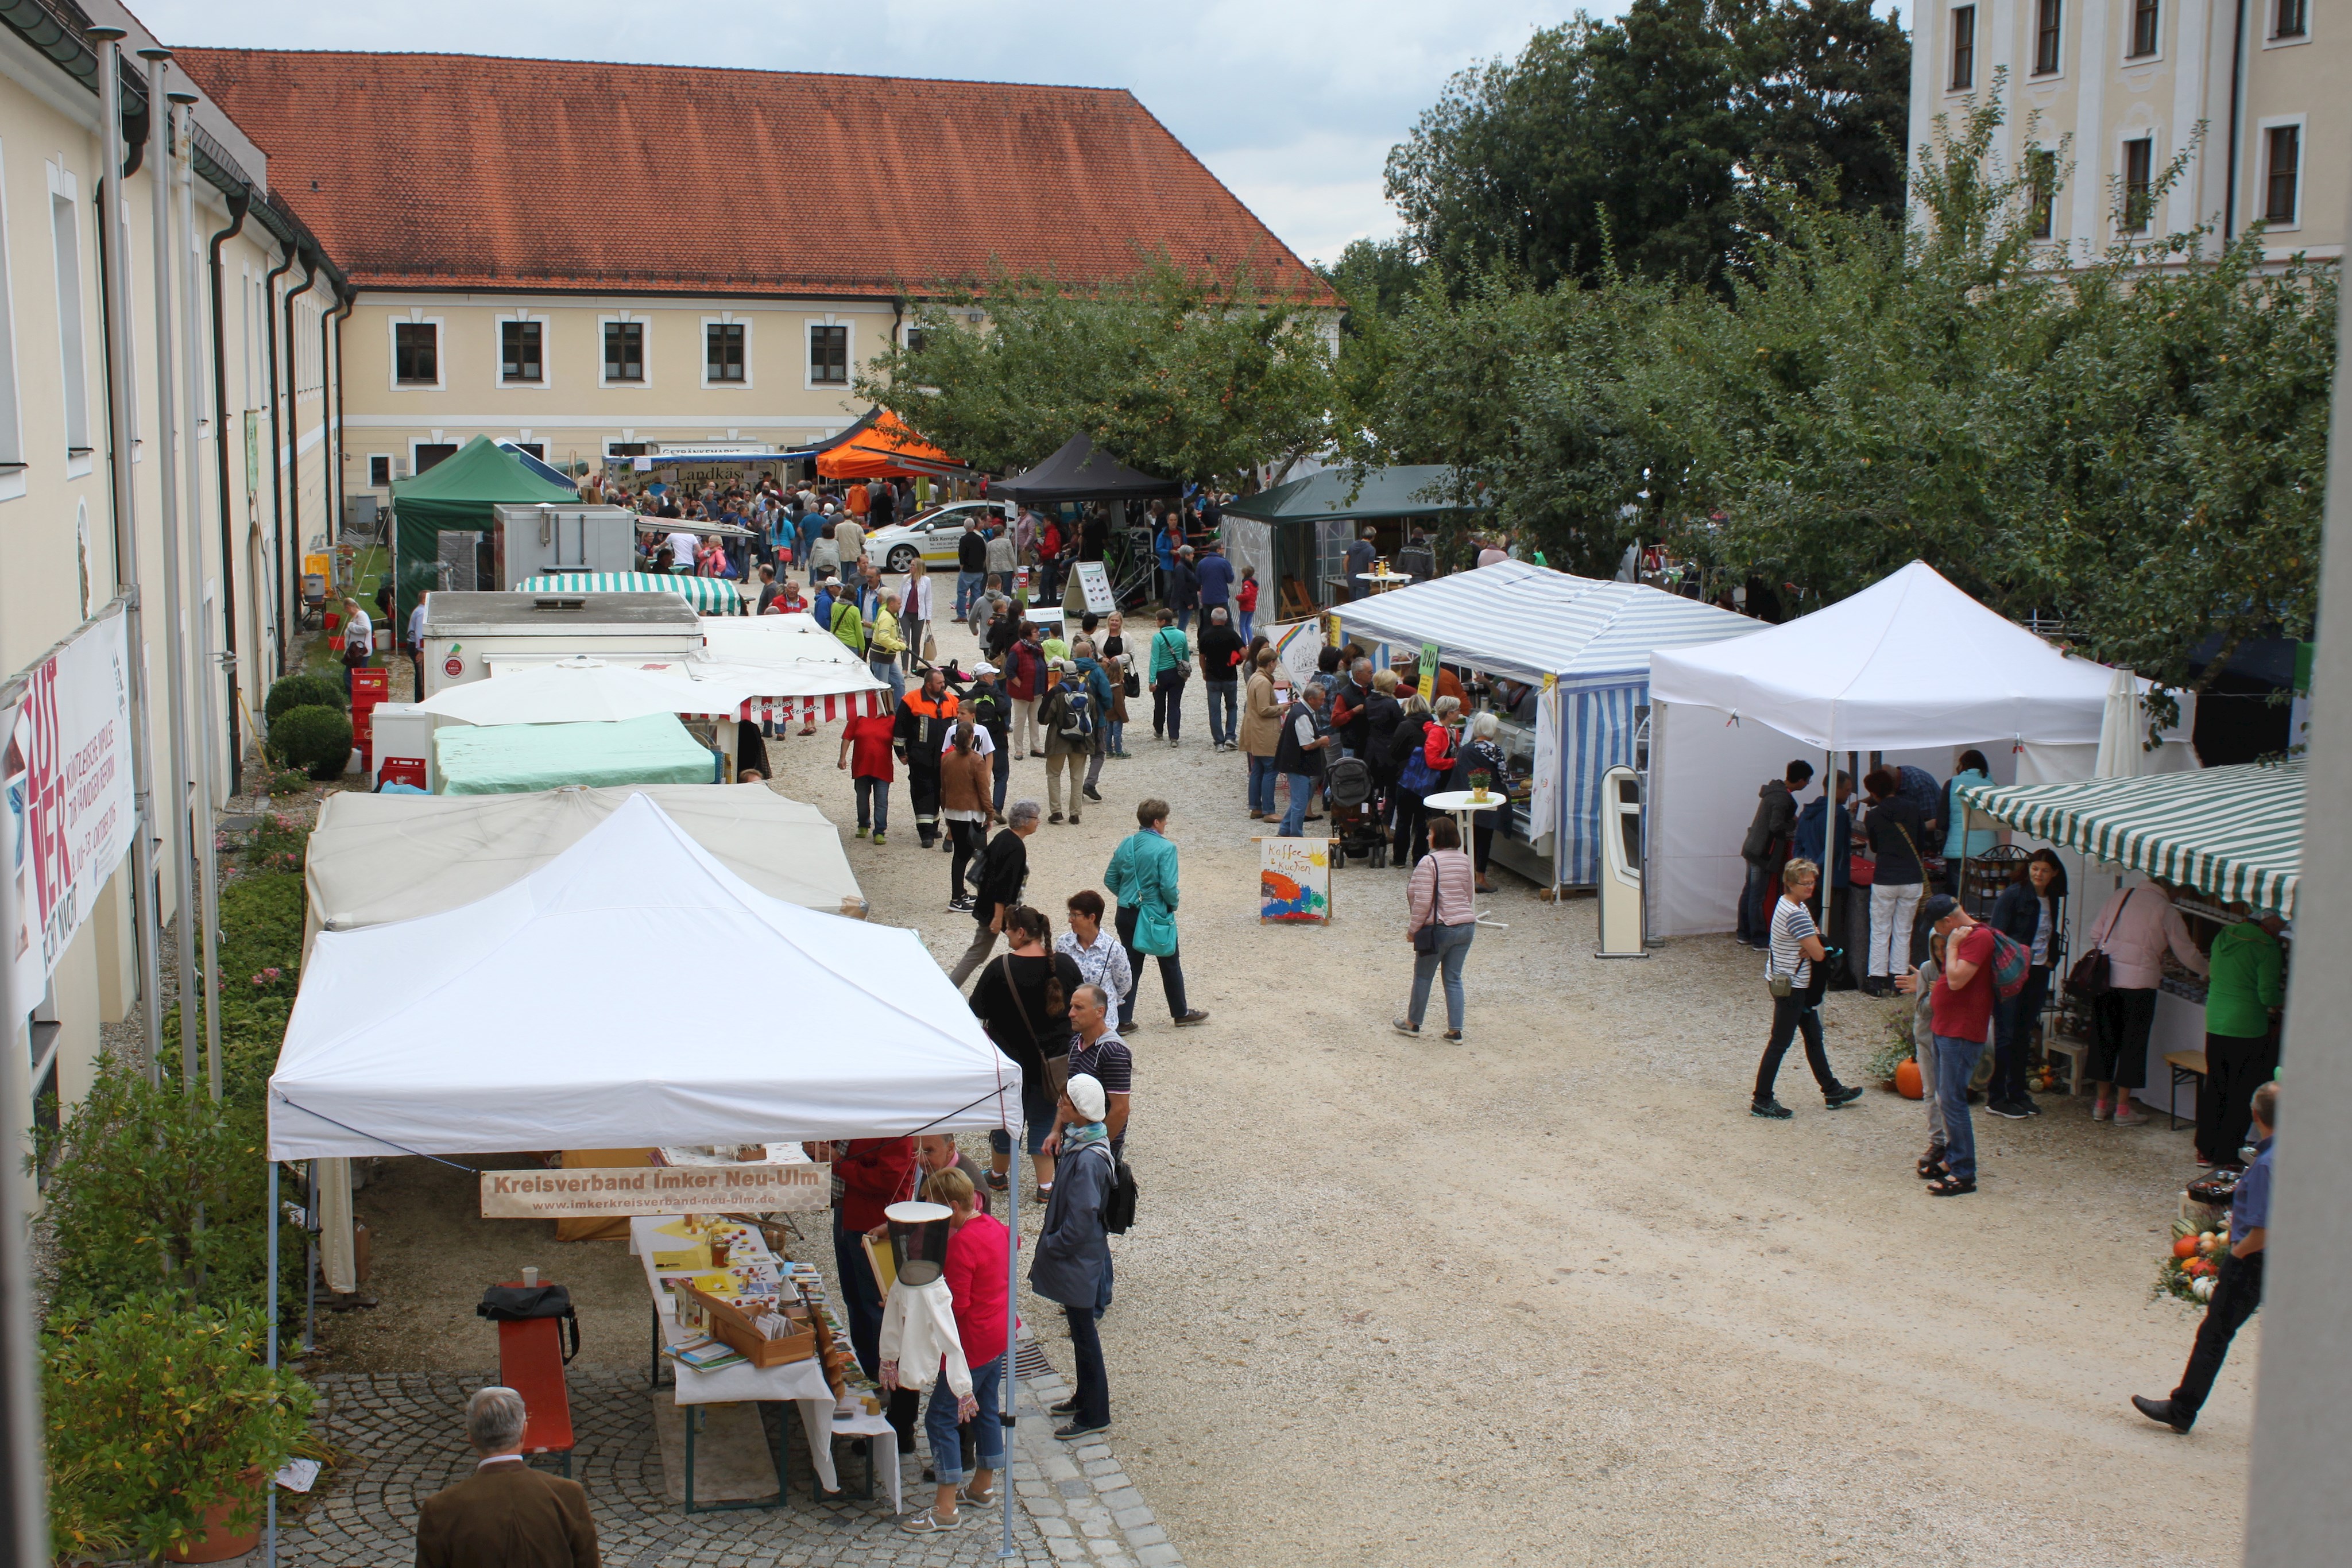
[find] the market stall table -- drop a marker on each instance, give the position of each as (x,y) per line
(1462,806)
(1384,581)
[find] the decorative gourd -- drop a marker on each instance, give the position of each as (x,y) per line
(1906,1079)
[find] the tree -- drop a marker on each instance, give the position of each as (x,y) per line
(1178,375)
(1630,144)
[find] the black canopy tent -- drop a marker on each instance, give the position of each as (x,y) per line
(1080,473)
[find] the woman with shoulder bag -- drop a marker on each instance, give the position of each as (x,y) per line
(1897,874)
(1796,986)
(1442,918)
(1172,666)
(2028,912)
(1024,999)
(2138,924)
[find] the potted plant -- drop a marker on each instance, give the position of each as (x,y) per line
(165,1427)
(1479,780)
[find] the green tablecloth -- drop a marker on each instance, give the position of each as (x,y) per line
(512,758)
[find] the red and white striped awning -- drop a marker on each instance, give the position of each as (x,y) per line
(809,709)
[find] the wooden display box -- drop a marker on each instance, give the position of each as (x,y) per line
(733,1327)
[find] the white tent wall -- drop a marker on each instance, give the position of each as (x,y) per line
(1704,770)
(1248,542)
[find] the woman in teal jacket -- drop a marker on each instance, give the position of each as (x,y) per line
(1142,877)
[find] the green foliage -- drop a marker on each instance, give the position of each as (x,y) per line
(1626,145)
(277,843)
(316,738)
(1180,375)
(295,691)
(157,1411)
(293,781)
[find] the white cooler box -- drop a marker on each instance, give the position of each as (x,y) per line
(403,738)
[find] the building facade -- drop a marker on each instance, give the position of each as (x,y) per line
(2120,89)
(255,497)
(587,259)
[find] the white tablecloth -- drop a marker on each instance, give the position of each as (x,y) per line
(800,1382)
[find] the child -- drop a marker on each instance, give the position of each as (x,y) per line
(1246,601)
(865,752)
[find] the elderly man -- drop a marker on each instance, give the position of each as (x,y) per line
(1298,754)
(505,1514)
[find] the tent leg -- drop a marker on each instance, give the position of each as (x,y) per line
(269,1218)
(1011,1337)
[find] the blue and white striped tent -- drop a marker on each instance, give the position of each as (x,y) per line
(1594,638)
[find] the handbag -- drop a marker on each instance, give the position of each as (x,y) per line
(519,1303)
(930,649)
(2092,977)
(1057,1068)
(1861,871)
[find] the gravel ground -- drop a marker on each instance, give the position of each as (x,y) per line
(1551,1295)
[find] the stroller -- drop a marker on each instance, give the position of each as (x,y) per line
(1356,827)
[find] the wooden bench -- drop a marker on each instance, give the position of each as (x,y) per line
(2188,1067)
(530,1362)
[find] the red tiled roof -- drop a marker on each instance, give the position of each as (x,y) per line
(467,172)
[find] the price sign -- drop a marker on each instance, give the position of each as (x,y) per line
(1428,677)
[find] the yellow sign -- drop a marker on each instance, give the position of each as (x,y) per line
(654,1189)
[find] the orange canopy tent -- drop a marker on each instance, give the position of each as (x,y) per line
(886,449)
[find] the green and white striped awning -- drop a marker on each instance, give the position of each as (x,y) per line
(708,595)
(2233,833)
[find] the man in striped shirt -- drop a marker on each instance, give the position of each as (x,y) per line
(1796,948)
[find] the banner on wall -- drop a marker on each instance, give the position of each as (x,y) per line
(70,806)
(1297,646)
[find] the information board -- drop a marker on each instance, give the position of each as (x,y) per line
(749,1189)
(1094,582)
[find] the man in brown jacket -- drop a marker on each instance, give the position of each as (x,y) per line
(506,1515)
(1261,731)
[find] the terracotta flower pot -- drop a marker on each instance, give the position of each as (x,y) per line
(1906,1080)
(218,1542)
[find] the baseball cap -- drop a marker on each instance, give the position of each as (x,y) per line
(984,668)
(1933,908)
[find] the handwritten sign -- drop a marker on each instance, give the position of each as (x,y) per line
(1293,882)
(594,1193)
(1426,679)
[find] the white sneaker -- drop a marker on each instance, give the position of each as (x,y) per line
(2126,1116)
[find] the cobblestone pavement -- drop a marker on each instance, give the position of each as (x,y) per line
(399,1437)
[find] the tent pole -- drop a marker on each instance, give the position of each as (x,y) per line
(269,1219)
(1011,1335)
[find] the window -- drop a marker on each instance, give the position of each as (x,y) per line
(416,353)
(2143,20)
(428,453)
(65,224)
(625,351)
(518,346)
(536,448)
(380,471)
(2279,184)
(2041,190)
(916,339)
(723,351)
(2290,20)
(2138,156)
(829,355)
(1964,47)
(2047,25)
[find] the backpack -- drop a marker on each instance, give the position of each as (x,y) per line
(1119,1203)
(1077,715)
(2011,961)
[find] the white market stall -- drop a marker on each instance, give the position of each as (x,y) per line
(576,690)
(1909,668)
(528,1020)
(1588,641)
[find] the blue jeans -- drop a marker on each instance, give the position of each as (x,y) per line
(1117,742)
(1453,948)
(1242,625)
(1225,716)
(1754,919)
(1955,1063)
(968,589)
(873,793)
(940,1425)
(1261,785)
(1294,821)
(1000,763)
(1184,619)
(885,667)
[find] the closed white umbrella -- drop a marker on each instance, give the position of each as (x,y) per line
(582,691)
(2121,730)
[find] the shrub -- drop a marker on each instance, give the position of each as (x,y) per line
(302,691)
(157,1411)
(293,781)
(317,739)
(276,844)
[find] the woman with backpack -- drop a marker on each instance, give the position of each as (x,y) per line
(1169,667)
(1071,1266)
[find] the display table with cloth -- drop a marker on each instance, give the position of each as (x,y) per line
(800,1382)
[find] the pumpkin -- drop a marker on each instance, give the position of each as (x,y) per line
(2184,1246)
(1906,1079)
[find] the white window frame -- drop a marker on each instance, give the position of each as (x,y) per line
(646,348)
(1976,46)
(2034,78)
(65,195)
(2154,136)
(498,352)
(2261,186)
(2057,234)
(389,459)
(2155,57)
(848,353)
(702,351)
(416,317)
(12,427)
(2272,41)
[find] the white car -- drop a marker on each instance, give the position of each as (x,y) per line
(931,535)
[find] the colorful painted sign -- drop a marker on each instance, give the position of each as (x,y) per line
(1293,882)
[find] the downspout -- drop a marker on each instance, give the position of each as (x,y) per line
(330,335)
(239,201)
(277,488)
(2237,77)
(292,539)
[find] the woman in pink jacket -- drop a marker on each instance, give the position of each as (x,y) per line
(2133,930)
(1442,907)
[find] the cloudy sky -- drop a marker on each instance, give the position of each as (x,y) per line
(1293,103)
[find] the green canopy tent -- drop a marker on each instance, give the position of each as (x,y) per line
(515,758)
(454,498)
(1298,532)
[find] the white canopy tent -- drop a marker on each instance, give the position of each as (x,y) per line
(528,1020)
(578,690)
(375,858)
(1910,667)
(1590,639)
(786,667)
